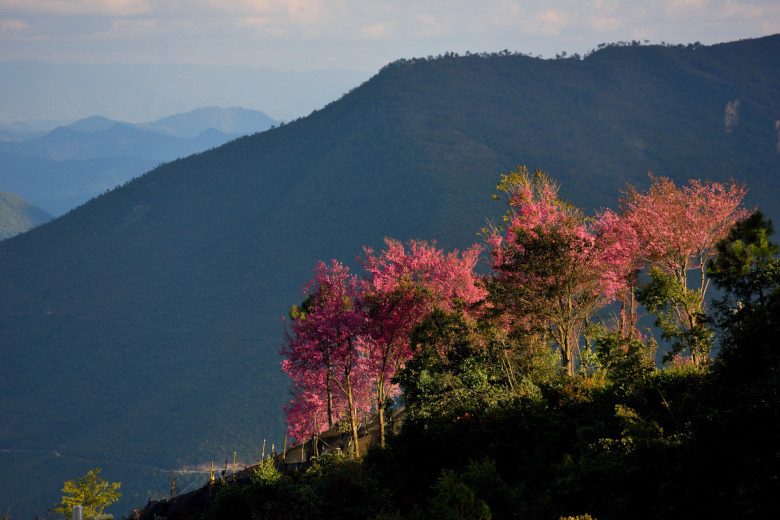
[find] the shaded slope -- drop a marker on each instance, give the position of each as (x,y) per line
(143,326)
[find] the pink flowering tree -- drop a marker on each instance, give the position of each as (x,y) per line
(305,413)
(678,230)
(621,261)
(322,352)
(403,285)
(547,267)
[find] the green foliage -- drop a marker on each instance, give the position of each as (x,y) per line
(454,500)
(746,260)
(679,315)
(449,374)
(18,216)
(89,491)
(630,441)
(335,486)
(748,272)
(627,362)
(266,473)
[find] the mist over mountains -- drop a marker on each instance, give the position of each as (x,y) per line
(140,331)
(37,93)
(69,165)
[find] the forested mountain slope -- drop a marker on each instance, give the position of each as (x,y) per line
(140,331)
(18,215)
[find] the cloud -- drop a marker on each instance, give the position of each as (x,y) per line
(740,11)
(366,32)
(79,7)
(374,32)
(605,23)
(550,22)
(12,26)
(429,26)
(129,29)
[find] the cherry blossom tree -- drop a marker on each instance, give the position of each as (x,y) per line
(547,271)
(401,289)
(678,230)
(621,262)
(322,351)
(306,413)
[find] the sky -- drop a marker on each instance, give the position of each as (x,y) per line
(301,35)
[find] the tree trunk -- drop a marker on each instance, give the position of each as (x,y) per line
(330,399)
(382,426)
(352,417)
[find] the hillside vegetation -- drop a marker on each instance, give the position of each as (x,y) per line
(504,416)
(18,215)
(140,331)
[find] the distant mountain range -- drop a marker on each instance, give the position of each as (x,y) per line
(69,165)
(139,332)
(35,92)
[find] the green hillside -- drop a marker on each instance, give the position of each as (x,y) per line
(139,332)
(18,215)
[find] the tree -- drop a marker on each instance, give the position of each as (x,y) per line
(621,262)
(746,265)
(400,290)
(322,350)
(91,492)
(452,373)
(546,264)
(748,273)
(678,230)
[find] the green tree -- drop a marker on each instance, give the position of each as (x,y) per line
(680,314)
(746,267)
(747,270)
(91,492)
(454,500)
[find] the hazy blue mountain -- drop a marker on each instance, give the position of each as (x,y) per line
(17,215)
(140,331)
(23,130)
(92,124)
(71,164)
(13,135)
(120,140)
(233,120)
(35,90)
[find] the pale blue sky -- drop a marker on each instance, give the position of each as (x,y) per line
(356,34)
